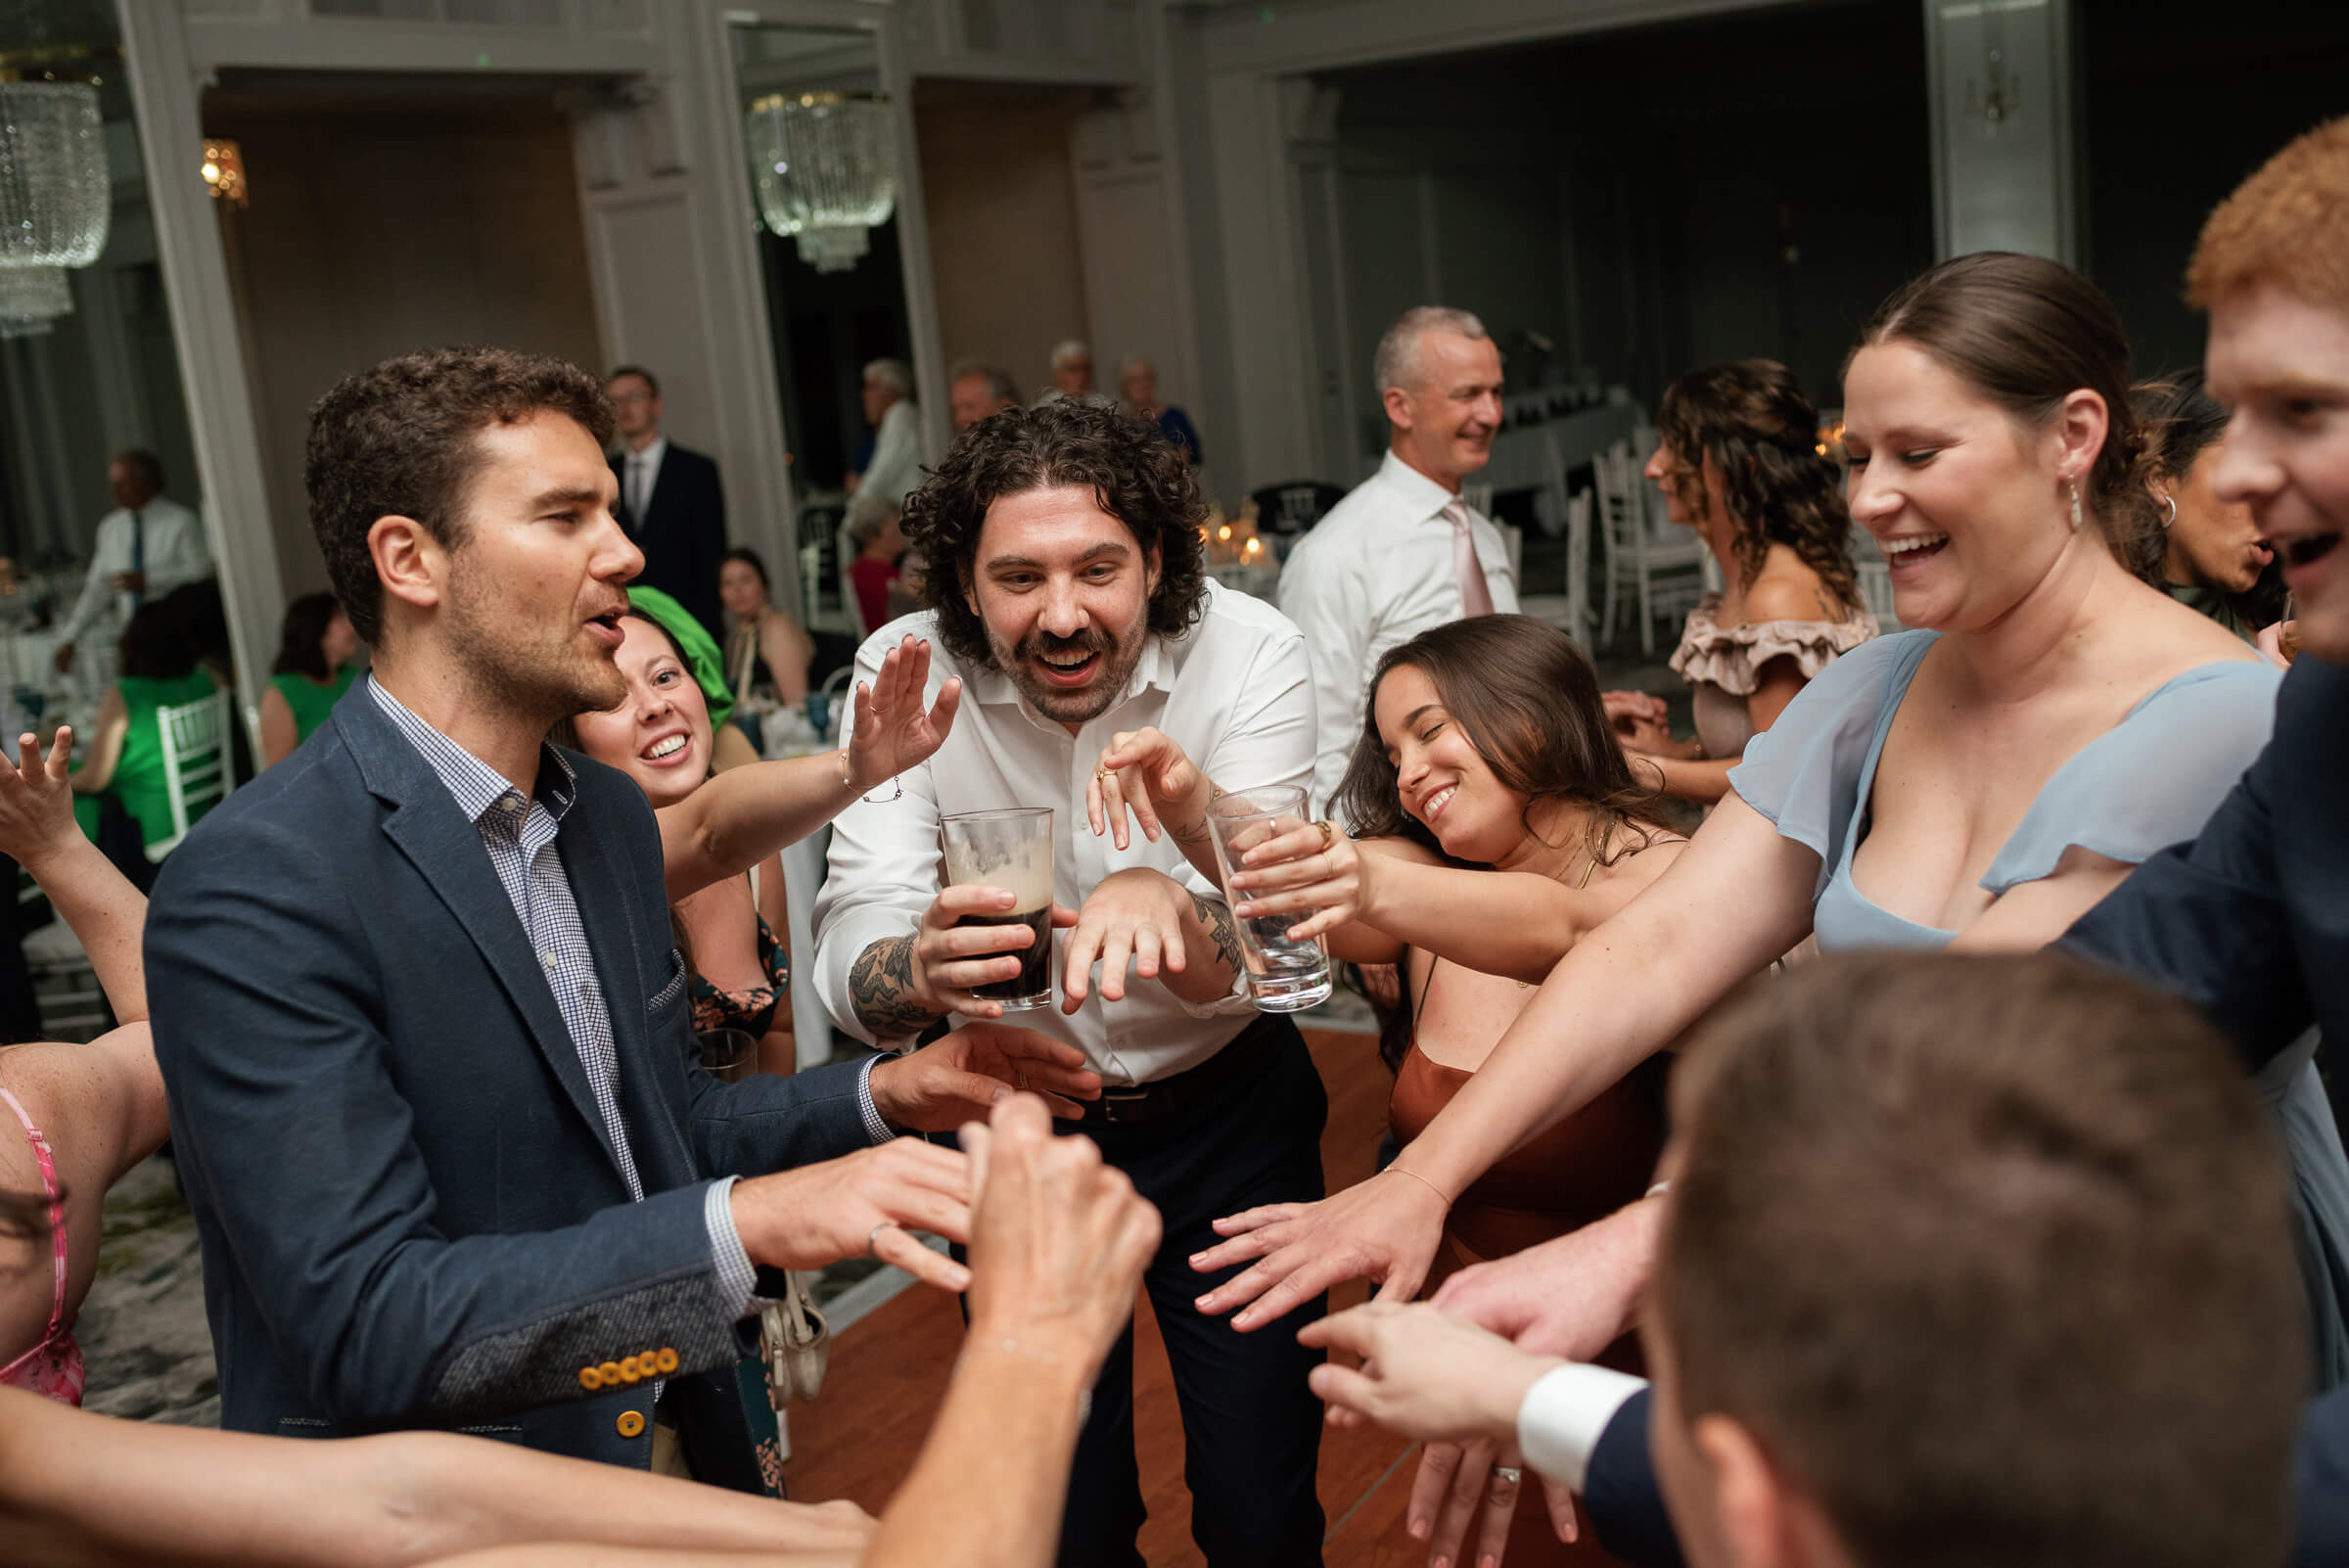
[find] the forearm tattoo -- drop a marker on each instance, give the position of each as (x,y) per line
(881,990)
(1194,836)
(1217,917)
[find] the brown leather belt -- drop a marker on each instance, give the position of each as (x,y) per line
(1131,1104)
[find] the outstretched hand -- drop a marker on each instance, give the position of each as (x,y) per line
(36,801)
(1386,1229)
(892,731)
(967,1073)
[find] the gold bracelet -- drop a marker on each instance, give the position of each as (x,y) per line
(1422,1181)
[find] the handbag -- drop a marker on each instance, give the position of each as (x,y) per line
(796,1343)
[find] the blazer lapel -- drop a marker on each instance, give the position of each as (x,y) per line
(446,850)
(609,910)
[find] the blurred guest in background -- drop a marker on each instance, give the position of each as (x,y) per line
(672,504)
(1072,371)
(1403,552)
(766,651)
(1739,462)
(2208,554)
(317,660)
(159,669)
(896,466)
(975,390)
(147,546)
(874,529)
(1137,380)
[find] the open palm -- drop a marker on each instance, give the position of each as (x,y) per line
(892,731)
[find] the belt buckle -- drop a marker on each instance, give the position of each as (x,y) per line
(1133,1099)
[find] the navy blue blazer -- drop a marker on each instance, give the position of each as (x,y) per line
(682,533)
(410,1210)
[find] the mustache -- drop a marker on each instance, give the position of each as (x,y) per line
(1047,643)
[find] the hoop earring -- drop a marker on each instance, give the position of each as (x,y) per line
(2075,483)
(2170,521)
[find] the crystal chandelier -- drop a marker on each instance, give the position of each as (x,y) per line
(56,198)
(825,168)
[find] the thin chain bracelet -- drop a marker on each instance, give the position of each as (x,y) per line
(847,779)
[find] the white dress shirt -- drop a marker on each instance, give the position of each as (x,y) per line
(1566,1413)
(639,471)
(1374,572)
(1233,692)
(896,464)
(175,557)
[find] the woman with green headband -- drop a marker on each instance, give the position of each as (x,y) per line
(662,736)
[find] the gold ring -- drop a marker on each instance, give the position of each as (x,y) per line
(1101,774)
(1019,1082)
(1327,833)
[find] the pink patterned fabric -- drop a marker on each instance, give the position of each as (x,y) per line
(1476,599)
(52,1369)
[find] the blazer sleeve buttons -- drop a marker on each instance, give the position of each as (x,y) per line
(665,1361)
(591,1378)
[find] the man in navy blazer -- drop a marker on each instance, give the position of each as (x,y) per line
(670,501)
(434,1091)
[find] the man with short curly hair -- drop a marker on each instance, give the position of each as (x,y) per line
(1068,595)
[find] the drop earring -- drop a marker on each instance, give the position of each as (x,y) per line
(2075,483)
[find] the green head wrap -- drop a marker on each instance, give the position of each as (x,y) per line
(703,661)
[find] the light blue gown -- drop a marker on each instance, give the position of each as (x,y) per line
(2150,782)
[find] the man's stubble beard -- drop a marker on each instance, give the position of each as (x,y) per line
(1074,707)
(507,675)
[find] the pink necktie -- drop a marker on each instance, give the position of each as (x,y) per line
(1475,598)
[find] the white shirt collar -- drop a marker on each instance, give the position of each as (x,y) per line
(651,456)
(1426,498)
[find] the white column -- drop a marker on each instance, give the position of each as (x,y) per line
(235,499)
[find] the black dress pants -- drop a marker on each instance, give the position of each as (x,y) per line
(1252,1429)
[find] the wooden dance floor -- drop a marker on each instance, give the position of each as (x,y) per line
(889,1371)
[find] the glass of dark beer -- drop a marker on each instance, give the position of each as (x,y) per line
(1010,849)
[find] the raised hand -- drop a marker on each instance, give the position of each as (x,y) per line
(37,801)
(1136,914)
(893,732)
(1386,1229)
(1146,771)
(1058,1241)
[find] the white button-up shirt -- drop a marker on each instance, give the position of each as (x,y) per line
(1233,692)
(175,557)
(896,466)
(1372,574)
(639,471)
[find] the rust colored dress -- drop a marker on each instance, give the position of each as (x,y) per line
(1584,1169)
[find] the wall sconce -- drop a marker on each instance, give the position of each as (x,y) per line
(224,172)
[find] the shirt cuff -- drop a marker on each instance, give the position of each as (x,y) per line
(1566,1413)
(737,1280)
(875,1130)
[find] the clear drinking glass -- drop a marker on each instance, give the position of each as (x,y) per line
(1284,976)
(729,1054)
(1010,849)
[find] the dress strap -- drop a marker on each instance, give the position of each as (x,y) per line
(57,1212)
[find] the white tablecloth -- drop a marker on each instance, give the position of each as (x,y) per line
(1521,459)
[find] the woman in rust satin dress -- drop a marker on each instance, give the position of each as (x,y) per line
(1488,750)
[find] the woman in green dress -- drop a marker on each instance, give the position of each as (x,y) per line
(317,660)
(125,757)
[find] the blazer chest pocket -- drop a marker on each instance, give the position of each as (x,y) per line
(671,988)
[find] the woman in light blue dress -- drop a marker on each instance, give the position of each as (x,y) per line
(1980,783)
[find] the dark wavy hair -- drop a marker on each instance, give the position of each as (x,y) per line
(1750,417)
(398,440)
(2182,421)
(1526,696)
(2026,332)
(299,650)
(1135,475)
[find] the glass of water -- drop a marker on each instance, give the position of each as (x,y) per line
(1284,976)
